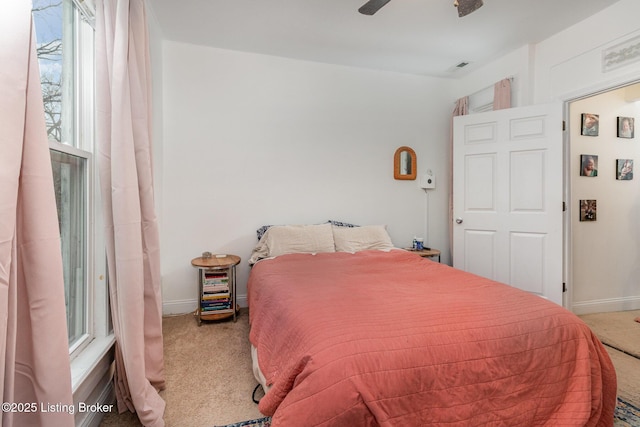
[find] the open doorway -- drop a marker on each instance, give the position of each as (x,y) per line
(604,201)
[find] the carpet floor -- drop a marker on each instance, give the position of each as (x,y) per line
(208,374)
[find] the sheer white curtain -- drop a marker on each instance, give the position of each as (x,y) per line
(461,109)
(124,147)
(34,357)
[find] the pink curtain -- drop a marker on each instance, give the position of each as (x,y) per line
(461,109)
(33,326)
(502,94)
(126,176)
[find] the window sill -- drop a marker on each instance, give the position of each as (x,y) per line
(84,365)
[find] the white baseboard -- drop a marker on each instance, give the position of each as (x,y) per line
(178,307)
(170,308)
(606,305)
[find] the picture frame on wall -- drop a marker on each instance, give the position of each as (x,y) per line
(588,210)
(624,169)
(588,165)
(590,124)
(625,127)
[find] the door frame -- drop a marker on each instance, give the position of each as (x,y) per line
(567,99)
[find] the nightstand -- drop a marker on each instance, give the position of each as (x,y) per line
(427,253)
(216,287)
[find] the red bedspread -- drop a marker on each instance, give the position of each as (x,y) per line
(392,339)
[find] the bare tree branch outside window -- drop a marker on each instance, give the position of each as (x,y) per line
(49,51)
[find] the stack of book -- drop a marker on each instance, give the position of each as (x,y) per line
(215,292)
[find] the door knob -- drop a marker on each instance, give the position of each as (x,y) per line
(458,220)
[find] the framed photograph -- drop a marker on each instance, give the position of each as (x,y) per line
(590,124)
(588,165)
(588,210)
(624,169)
(625,127)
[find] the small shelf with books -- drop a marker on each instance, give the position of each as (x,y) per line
(216,287)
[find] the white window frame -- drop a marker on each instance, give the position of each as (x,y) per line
(89,233)
(100,338)
(88,354)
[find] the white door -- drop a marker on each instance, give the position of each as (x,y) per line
(507,197)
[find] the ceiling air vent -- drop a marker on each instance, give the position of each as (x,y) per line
(457,67)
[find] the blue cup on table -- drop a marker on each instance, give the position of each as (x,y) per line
(419,244)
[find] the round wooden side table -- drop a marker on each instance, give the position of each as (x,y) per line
(216,287)
(426,253)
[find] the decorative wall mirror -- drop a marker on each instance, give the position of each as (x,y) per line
(404,163)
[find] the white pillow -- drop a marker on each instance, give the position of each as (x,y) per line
(354,239)
(287,239)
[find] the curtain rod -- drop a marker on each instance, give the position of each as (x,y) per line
(510,78)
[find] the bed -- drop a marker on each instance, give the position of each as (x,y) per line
(348,331)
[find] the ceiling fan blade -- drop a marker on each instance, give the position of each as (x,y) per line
(372,6)
(465,7)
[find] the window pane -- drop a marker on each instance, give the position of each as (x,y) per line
(69,176)
(55,44)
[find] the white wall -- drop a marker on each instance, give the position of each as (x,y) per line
(517,64)
(605,252)
(567,65)
(251,140)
